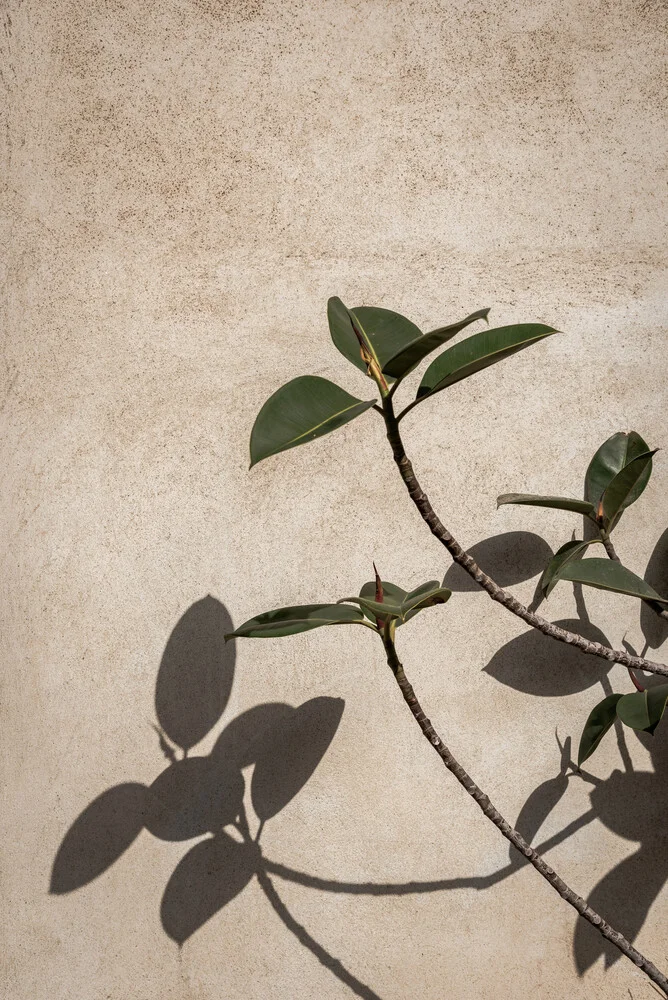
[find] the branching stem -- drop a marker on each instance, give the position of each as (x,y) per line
(461,557)
(515,838)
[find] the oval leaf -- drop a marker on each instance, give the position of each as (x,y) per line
(388,332)
(478,352)
(558,503)
(600,720)
(204,881)
(98,837)
(391,593)
(425,596)
(343,334)
(289,621)
(611,457)
(291,752)
(608,575)
(410,356)
(621,491)
(304,409)
(568,552)
(643,709)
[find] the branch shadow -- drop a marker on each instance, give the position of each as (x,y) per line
(202,797)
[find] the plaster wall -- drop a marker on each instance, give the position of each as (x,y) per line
(185,184)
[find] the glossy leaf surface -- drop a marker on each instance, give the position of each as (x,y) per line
(304,409)
(601,718)
(302,618)
(425,596)
(604,574)
(568,552)
(391,593)
(384,332)
(643,709)
(557,503)
(412,354)
(478,352)
(611,457)
(622,489)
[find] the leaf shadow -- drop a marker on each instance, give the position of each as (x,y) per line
(535,664)
(196,672)
(510,557)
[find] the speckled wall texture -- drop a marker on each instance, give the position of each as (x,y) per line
(185,184)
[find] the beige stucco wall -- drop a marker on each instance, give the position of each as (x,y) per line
(186,184)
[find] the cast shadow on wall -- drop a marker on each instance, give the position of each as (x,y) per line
(203,796)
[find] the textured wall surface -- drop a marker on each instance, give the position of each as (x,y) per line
(185,183)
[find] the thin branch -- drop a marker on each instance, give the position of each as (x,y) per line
(512,835)
(484,581)
(359,988)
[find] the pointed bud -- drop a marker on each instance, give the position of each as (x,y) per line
(379,586)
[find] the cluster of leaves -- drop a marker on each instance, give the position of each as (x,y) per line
(617,475)
(381,604)
(387,347)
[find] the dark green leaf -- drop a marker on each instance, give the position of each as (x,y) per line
(304,409)
(611,457)
(391,593)
(385,333)
(600,720)
(403,609)
(288,621)
(558,503)
(406,360)
(568,552)
(632,710)
(478,352)
(343,334)
(643,709)
(608,575)
(388,332)
(616,495)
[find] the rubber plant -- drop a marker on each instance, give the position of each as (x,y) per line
(387,348)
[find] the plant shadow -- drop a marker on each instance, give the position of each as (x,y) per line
(203,797)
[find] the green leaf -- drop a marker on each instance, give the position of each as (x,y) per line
(643,709)
(558,503)
(611,457)
(478,352)
(616,494)
(391,593)
(568,552)
(304,409)
(412,354)
(403,608)
(384,332)
(605,574)
(289,621)
(600,720)
(343,335)
(388,332)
